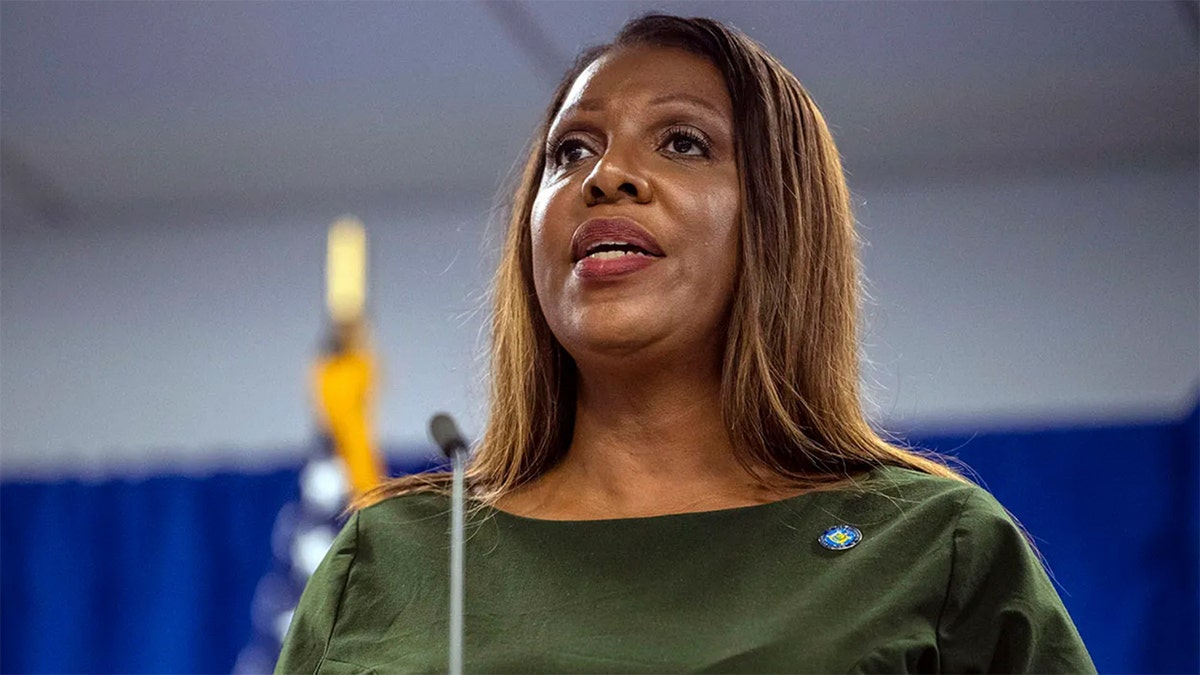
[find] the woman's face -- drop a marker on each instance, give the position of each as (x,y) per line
(635,224)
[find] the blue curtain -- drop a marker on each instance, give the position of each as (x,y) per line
(134,576)
(157,575)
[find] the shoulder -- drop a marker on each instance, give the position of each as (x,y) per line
(968,513)
(362,578)
(999,612)
(909,499)
(405,521)
(910,483)
(398,545)
(407,510)
(908,489)
(405,527)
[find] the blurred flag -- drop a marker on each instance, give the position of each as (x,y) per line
(344,460)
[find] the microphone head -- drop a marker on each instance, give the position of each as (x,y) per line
(444,432)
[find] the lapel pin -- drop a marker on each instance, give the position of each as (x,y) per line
(840,537)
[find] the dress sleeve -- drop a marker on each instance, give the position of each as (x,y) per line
(312,624)
(1002,614)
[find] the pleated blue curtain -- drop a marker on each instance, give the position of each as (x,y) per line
(141,576)
(157,575)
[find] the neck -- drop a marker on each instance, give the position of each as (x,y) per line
(646,441)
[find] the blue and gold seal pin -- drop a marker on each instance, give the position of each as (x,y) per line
(840,537)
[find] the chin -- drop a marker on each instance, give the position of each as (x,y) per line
(599,336)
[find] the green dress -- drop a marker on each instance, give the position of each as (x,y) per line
(941,581)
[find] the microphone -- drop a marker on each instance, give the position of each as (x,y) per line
(445,433)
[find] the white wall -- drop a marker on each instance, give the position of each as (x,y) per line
(1020,301)
(166,342)
(153,341)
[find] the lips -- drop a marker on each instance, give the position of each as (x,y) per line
(613,234)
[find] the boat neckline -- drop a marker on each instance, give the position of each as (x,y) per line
(854,485)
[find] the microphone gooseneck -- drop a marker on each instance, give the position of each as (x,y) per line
(445,433)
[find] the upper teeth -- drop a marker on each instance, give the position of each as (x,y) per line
(604,250)
(606,255)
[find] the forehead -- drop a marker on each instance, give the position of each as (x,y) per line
(640,76)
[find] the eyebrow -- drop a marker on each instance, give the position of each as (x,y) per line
(694,100)
(592,105)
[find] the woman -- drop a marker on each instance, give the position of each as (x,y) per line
(676,474)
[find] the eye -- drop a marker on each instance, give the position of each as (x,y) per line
(569,150)
(685,141)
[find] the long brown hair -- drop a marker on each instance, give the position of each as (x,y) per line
(790,386)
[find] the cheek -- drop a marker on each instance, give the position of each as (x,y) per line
(545,240)
(720,214)
(727,214)
(537,232)
(718,266)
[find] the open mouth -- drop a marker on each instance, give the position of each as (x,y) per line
(612,248)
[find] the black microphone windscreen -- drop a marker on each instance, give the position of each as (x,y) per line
(445,433)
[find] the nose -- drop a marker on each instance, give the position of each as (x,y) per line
(613,178)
